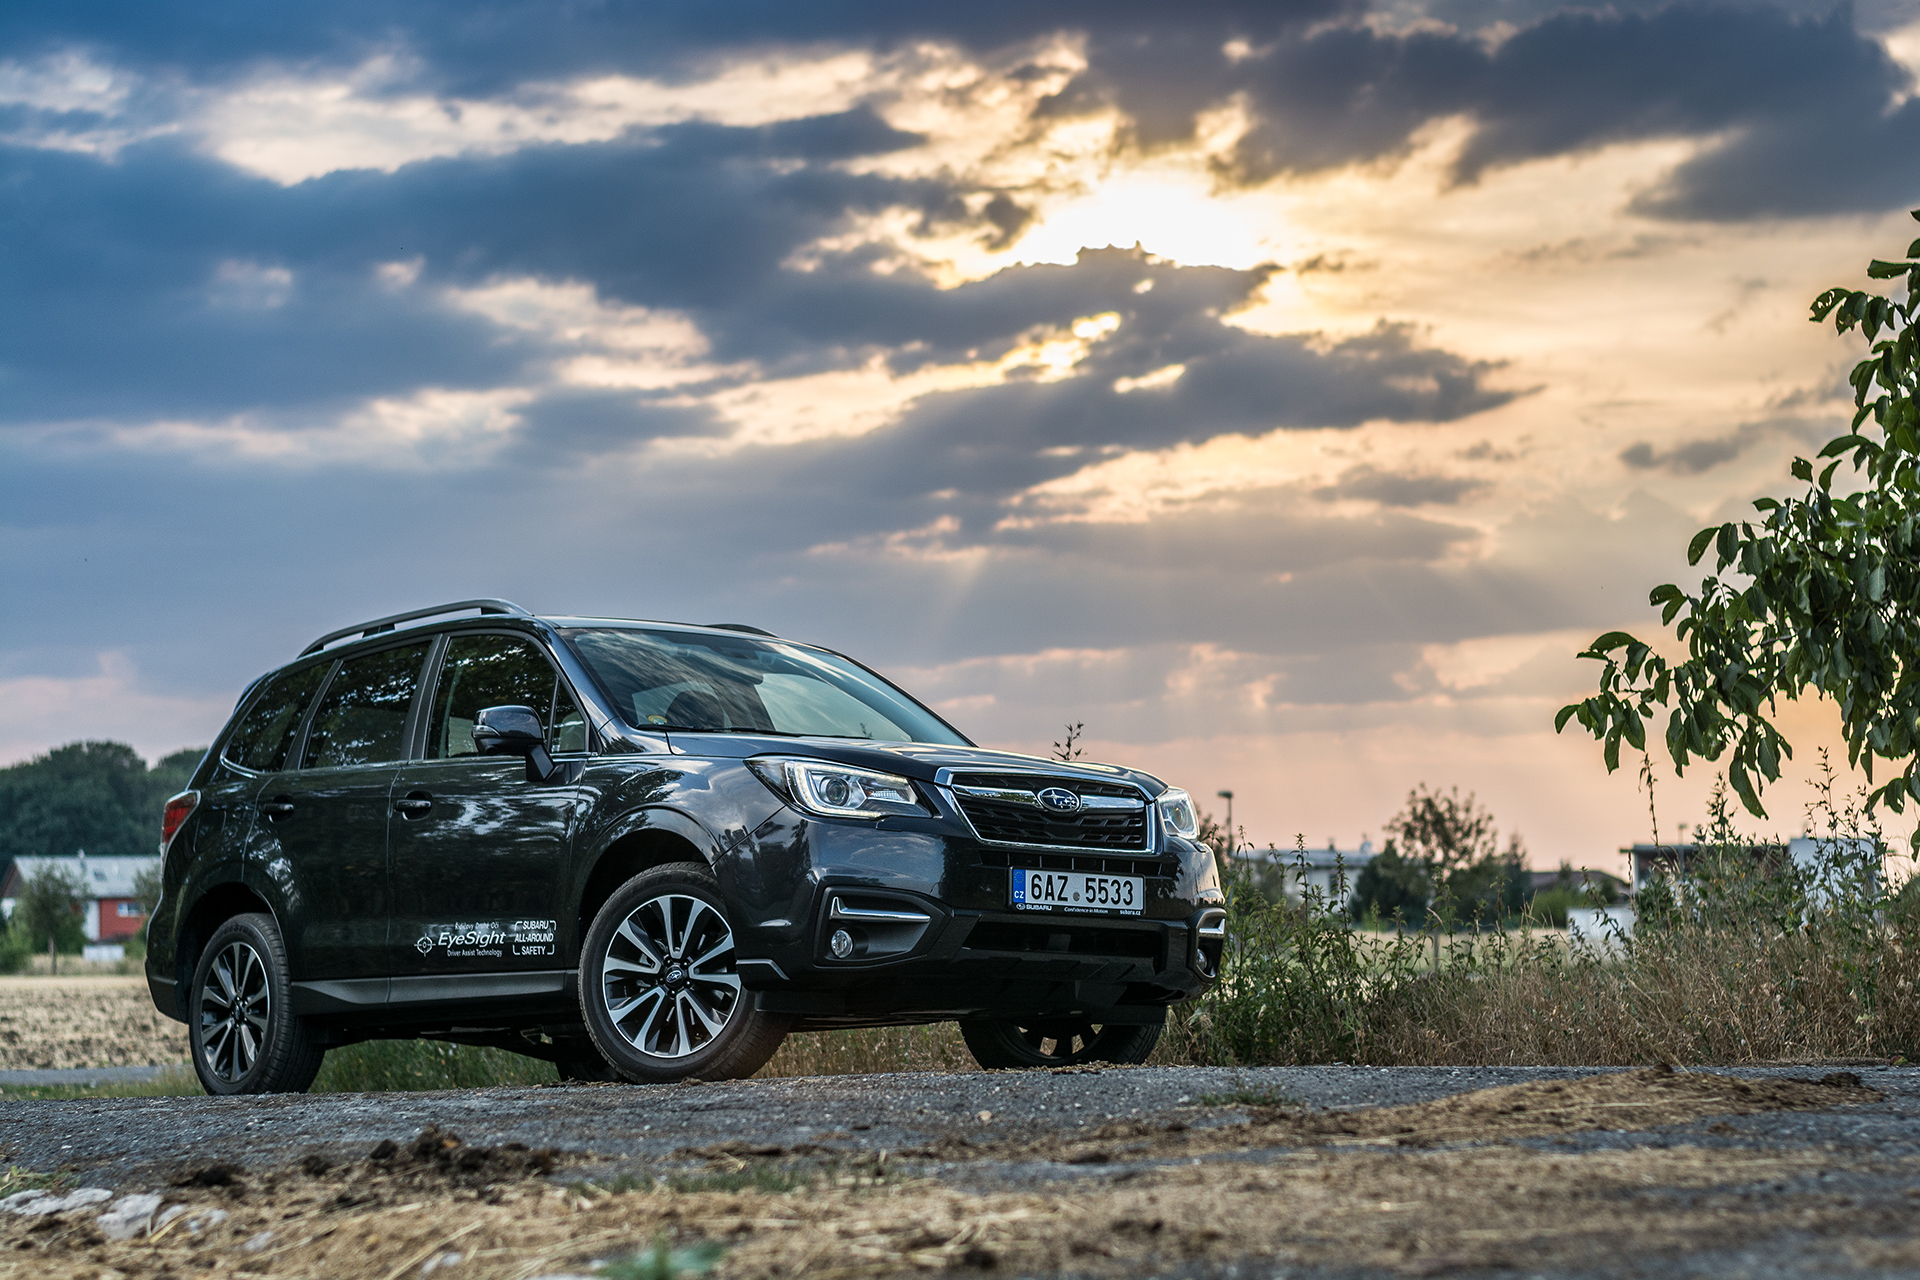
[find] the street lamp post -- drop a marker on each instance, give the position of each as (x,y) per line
(1228,797)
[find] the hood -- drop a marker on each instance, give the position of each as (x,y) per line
(921,760)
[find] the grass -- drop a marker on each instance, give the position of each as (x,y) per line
(16,1179)
(936,1047)
(663,1262)
(406,1066)
(1244,1097)
(1742,962)
(174,1082)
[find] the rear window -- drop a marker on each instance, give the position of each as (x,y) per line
(265,733)
(698,683)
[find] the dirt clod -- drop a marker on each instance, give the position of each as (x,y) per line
(441,1152)
(211,1175)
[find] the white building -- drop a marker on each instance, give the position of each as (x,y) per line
(1330,869)
(110,904)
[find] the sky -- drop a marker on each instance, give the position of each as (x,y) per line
(1286,392)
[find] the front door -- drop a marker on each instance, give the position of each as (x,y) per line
(479,851)
(322,834)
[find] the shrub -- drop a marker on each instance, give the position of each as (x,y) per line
(16,951)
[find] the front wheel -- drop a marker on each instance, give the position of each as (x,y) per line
(1054,1042)
(240,1021)
(660,985)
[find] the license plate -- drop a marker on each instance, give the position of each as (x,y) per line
(1076,891)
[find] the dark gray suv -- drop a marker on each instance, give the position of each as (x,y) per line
(648,851)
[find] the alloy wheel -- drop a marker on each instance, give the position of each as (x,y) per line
(668,976)
(236,1002)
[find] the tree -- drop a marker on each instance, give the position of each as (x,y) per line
(48,908)
(1444,832)
(96,796)
(1449,851)
(1391,884)
(1821,593)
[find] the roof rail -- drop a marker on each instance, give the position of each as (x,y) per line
(392,620)
(741,626)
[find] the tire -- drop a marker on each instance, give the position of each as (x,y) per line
(1054,1042)
(659,987)
(240,1021)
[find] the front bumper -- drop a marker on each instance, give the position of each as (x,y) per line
(917,957)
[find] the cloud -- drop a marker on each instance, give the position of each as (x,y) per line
(112,702)
(1692,457)
(1399,488)
(1795,114)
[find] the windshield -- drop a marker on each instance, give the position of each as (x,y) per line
(705,683)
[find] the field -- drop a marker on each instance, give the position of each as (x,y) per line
(86,1021)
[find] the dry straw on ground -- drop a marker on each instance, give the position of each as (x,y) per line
(1404,1211)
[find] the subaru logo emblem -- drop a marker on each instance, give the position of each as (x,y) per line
(1059,800)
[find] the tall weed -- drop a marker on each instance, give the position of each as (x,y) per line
(1742,957)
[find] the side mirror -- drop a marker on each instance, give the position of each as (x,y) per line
(514,731)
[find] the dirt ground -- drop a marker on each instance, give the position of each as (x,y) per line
(1649,1172)
(84,1021)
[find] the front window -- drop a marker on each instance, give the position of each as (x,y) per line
(705,683)
(483,671)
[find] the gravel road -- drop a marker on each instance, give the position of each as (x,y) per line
(1830,1190)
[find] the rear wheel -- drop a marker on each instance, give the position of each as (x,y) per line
(660,987)
(240,1021)
(1054,1042)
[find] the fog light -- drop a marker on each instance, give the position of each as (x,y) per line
(841,944)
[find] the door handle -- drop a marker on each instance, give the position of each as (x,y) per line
(276,808)
(414,804)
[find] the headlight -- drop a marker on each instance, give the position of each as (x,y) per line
(1176,810)
(838,790)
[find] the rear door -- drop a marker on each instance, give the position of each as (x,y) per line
(479,851)
(259,745)
(322,831)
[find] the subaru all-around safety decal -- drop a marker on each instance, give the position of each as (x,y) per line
(489,939)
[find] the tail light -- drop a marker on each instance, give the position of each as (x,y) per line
(174,816)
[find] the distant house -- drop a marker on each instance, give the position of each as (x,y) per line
(1331,870)
(112,909)
(1803,852)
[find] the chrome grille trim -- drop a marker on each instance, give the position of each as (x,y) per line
(1122,800)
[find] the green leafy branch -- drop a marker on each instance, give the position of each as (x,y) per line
(1821,593)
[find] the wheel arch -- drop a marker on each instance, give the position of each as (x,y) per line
(213,908)
(648,838)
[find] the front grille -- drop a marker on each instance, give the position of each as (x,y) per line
(1012,823)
